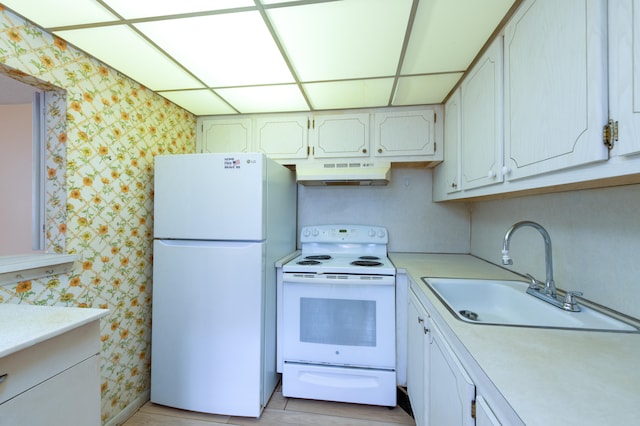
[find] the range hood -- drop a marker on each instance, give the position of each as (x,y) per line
(347,173)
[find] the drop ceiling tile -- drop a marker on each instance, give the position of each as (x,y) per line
(199,102)
(343,39)
(447,34)
(145,8)
(222,50)
(427,89)
(125,50)
(281,98)
(349,94)
(60,13)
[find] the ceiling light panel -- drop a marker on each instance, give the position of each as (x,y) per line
(447,34)
(234,49)
(146,8)
(342,39)
(349,94)
(199,102)
(281,98)
(424,89)
(60,13)
(125,50)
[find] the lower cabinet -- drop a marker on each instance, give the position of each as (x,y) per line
(55,382)
(440,390)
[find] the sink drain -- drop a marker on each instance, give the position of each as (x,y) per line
(469,315)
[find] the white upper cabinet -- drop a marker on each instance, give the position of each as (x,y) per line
(282,137)
(481,121)
(225,135)
(624,74)
(447,174)
(555,86)
(402,133)
(343,135)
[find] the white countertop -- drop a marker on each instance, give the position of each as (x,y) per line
(548,376)
(22,326)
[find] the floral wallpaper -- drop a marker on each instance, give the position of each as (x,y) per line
(103,131)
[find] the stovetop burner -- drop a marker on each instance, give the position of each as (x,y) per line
(309,262)
(366,263)
(369,258)
(318,257)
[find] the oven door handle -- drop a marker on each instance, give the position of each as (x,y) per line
(338,279)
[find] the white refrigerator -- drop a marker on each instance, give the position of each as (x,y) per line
(220,223)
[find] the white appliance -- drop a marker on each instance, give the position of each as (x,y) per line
(220,223)
(336,317)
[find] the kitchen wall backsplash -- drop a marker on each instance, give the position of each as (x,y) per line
(103,132)
(404,207)
(595,237)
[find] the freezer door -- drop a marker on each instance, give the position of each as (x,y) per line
(210,196)
(207,326)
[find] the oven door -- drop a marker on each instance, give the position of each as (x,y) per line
(342,320)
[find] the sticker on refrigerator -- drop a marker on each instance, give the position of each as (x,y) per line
(231,163)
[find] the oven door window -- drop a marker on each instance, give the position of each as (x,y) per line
(338,321)
(339,324)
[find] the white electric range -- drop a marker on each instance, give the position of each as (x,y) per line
(336,317)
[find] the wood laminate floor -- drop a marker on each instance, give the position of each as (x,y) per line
(280,411)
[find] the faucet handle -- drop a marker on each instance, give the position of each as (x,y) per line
(570,303)
(533,282)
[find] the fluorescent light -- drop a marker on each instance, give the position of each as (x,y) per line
(343,39)
(238,51)
(199,102)
(123,49)
(60,13)
(447,35)
(349,94)
(146,8)
(265,98)
(428,89)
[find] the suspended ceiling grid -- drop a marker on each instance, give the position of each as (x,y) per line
(217,57)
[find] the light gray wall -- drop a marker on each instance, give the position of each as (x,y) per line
(404,207)
(595,236)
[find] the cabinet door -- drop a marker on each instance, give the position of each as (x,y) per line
(225,135)
(77,389)
(283,137)
(404,133)
(624,73)
(481,121)
(484,414)
(451,391)
(344,135)
(416,363)
(447,174)
(555,86)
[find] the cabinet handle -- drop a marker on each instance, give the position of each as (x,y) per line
(379,150)
(506,171)
(454,185)
(491,174)
(364,150)
(4,377)
(420,320)
(426,330)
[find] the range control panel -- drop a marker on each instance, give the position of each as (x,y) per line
(355,234)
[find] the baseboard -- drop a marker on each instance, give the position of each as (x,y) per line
(129,410)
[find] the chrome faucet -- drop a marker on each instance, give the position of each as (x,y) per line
(548,292)
(549,285)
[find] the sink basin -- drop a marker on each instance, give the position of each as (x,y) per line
(500,302)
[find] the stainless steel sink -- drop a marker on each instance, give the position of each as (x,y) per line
(500,302)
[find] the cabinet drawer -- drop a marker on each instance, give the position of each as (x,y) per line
(29,367)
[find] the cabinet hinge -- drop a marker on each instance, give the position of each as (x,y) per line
(473,409)
(610,133)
